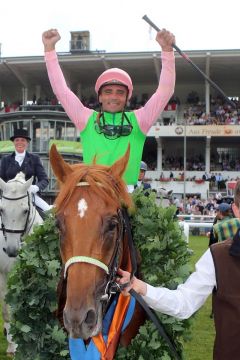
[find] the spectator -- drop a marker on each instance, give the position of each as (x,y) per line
(227,225)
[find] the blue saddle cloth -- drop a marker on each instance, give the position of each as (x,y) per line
(77,347)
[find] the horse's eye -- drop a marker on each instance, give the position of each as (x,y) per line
(60,223)
(111,225)
(57,223)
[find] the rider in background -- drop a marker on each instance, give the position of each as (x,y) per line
(141,177)
(107,133)
(29,164)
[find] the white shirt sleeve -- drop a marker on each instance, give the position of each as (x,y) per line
(188,297)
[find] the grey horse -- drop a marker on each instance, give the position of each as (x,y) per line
(18,215)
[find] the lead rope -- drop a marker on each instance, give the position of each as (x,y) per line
(152,315)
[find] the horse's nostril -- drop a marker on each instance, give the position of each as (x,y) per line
(91,317)
(12,255)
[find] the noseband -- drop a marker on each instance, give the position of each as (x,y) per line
(85,259)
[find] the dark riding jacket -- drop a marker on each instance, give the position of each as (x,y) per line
(31,166)
(226,299)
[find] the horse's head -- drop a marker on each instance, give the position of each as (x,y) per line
(89,218)
(165,196)
(14,212)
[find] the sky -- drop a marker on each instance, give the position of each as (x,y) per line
(117,25)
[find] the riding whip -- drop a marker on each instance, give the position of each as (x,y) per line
(214,85)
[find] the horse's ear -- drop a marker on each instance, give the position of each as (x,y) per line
(28,183)
(2,184)
(60,168)
(118,168)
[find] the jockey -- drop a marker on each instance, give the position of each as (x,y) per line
(141,176)
(30,164)
(217,271)
(107,133)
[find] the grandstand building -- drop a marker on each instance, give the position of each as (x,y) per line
(197,134)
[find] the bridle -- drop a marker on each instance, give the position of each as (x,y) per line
(112,287)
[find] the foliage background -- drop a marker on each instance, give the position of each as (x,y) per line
(32,285)
(201,343)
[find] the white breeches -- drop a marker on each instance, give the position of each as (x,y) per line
(41,203)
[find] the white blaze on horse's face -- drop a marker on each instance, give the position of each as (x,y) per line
(82,207)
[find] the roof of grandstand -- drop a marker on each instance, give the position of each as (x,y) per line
(84,67)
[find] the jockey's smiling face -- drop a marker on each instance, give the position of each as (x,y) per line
(113,98)
(20,144)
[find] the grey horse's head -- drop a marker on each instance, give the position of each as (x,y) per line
(165,196)
(14,212)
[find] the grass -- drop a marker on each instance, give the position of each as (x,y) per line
(200,347)
(3,343)
(203,332)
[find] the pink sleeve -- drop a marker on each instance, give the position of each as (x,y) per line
(76,111)
(148,114)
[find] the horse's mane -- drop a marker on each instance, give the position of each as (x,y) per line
(99,181)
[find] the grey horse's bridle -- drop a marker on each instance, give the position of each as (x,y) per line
(16,231)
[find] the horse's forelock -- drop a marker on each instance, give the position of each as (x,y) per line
(111,190)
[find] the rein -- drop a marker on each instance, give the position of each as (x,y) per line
(152,316)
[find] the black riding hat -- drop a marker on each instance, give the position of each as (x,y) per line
(20,133)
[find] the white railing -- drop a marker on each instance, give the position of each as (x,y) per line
(197,221)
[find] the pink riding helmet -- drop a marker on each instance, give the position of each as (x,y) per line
(114,76)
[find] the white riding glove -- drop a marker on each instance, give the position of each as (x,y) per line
(34,189)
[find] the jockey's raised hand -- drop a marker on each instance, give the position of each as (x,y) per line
(138,285)
(165,39)
(50,38)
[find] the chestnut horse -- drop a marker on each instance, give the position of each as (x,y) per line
(93,245)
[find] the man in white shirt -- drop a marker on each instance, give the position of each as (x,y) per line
(217,271)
